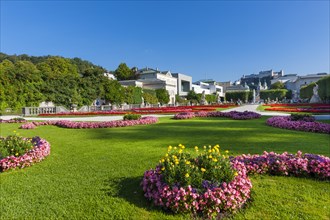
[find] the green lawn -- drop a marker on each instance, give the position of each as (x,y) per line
(95,173)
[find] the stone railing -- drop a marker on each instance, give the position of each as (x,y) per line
(33,111)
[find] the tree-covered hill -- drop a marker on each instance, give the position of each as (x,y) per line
(28,80)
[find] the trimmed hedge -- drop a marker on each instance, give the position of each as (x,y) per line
(272,94)
(306,92)
(243,96)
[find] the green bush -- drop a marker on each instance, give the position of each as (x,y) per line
(132,117)
(298,117)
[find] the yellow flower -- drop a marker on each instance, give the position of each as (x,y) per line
(204,147)
(174,148)
(187,175)
(210,156)
(196,148)
(14,131)
(166,155)
(162,160)
(226,151)
(180,151)
(188,162)
(16,154)
(215,159)
(202,169)
(210,151)
(163,168)
(236,174)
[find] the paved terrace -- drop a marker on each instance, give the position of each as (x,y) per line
(242,108)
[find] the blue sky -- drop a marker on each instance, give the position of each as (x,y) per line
(221,40)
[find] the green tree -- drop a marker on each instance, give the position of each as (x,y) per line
(162,96)
(123,72)
(277,85)
(192,96)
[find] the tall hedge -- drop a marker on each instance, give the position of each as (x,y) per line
(324,88)
(149,96)
(243,96)
(306,92)
(272,94)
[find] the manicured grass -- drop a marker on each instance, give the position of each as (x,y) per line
(96,173)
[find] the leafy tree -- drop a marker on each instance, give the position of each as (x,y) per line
(277,85)
(112,91)
(162,96)
(149,96)
(192,96)
(123,72)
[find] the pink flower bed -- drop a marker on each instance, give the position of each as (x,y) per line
(286,122)
(80,125)
(228,197)
(307,165)
(14,120)
(37,154)
(233,114)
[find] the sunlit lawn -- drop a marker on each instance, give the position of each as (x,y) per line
(96,173)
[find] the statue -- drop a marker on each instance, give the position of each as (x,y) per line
(203,99)
(218,99)
(315,98)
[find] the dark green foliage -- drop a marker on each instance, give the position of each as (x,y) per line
(306,92)
(298,117)
(272,94)
(123,72)
(132,117)
(133,95)
(277,85)
(235,96)
(193,97)
(324,88)
(162,96)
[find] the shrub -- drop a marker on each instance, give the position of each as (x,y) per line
(132,117)
(301,117)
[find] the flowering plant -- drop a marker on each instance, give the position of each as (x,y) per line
(39,150)
(207,185)
(14,145)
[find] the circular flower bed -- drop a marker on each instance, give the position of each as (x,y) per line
(80,125)
(19,152)
(208,186)
(287,122)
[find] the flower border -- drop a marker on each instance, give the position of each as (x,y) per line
(246,115)
(83,125)
(285,122)
(37,154)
